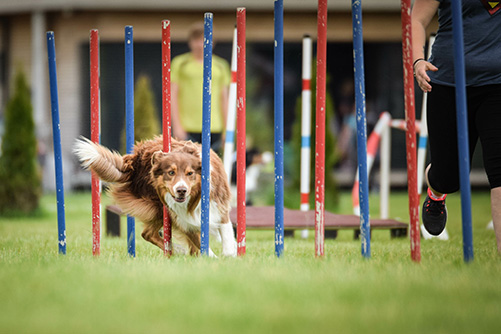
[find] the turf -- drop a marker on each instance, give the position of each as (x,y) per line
(44,292)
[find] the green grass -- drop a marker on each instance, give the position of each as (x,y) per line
(44,292)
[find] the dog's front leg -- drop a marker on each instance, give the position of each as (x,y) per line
(228,240)
(150,233)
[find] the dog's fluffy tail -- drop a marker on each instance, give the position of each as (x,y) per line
(108,165)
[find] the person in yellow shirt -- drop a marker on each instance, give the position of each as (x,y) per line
(187,90)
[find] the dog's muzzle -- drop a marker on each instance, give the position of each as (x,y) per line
(180,195)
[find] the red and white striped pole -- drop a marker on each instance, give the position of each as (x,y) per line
(241,146)
(306,125)
(232,110)
(95,137)
(320,128)
(410,116)
(166,121)
(401,124)
(372,148)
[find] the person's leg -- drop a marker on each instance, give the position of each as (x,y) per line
(489,128)
(442,173)
(435,192)
(496,214)
(216,142)
(195,137)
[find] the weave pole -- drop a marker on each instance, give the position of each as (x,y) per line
(232,110)
(306,125)
(207,94)
(241,145)
(462,130)
(358,59)
(56,137)
(129,124)
(95,105)
(320,128)
(279,126)
(410,139)
(166,121)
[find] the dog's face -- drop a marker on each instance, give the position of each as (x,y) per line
(177,175)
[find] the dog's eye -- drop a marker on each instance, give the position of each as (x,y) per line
(171,173)
(189,173)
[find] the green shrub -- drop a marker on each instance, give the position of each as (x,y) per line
(20,181)
(146,122)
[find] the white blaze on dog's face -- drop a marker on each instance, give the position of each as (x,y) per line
(176,174)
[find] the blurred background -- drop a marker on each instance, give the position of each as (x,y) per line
(23,24)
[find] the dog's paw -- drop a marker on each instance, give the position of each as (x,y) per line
(211,253)
(177,249)
(230,249)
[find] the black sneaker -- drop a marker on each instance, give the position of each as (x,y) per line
(434,215)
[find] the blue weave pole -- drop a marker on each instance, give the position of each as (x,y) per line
(206,104)
(358,59)
(462,129)
(279,127)
(129,124)
(56,136)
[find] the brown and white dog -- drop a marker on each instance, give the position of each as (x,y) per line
(143,181)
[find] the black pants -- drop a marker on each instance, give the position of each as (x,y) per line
(215,140)
(484,123)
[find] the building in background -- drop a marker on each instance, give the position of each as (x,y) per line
(22,42)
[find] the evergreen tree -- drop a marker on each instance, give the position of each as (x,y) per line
(20,181)
(146,123)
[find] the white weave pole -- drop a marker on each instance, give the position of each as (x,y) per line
(229,142)
(306,128)
(384,172)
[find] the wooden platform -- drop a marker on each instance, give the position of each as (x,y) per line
(263,218)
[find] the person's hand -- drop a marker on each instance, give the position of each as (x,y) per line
(179,133)
(422,78)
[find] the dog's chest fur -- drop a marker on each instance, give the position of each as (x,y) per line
(191,221)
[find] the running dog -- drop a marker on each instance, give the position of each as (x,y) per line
(145,180)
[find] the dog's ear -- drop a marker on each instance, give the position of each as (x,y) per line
(198,167)
(191,148)
(157,157)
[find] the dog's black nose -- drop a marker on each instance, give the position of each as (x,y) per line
(181,191)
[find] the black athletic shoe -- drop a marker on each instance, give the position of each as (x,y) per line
(434,215)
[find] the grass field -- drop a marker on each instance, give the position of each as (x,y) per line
(44,292)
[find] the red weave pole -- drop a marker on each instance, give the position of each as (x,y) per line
(410,118)
(320,128)
(94,136)
(241,145)
(166,121)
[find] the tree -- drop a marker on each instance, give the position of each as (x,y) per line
(146,123)
(20,180)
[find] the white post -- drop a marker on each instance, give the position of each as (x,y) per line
(38,73)
(384,170)
(306,128)
(229,142)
